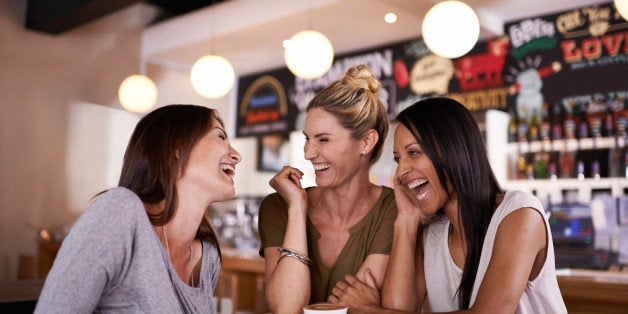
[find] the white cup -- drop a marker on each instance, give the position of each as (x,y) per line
(324,308)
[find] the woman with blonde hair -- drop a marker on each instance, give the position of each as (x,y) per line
(312,238)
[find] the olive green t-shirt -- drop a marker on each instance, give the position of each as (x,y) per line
(373,234)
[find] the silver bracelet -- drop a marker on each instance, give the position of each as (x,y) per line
(298,256)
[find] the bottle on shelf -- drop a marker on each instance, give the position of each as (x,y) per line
(583,123)
(609,121)
(552,168)
(512,127)
(566,164)
(569,124)
(545,128)
(522,128)
(533,128)
(580,169)
(522,165)
(557,121)
(541,161)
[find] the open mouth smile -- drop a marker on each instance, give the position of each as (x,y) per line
(418,186)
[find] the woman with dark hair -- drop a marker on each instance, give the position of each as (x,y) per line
(460,242)
(146,246)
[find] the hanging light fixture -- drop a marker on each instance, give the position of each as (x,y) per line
(308,54)
(622,8)
(450,29)
(212,76)
(137,93)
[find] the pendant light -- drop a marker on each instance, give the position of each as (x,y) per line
(308,54)
(450,29)
(212,76)
(137,93)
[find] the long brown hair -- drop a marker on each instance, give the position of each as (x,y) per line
(150,166)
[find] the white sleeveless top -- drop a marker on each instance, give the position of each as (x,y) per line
(443,276)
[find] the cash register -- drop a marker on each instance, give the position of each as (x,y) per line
(574,237)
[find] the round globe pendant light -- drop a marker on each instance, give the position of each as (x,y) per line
(622,8)
(212,76)
(137,93)
(450,29)
(308,54)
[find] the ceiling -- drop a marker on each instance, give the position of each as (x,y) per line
(249,33)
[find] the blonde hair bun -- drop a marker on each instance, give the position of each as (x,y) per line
(361,77)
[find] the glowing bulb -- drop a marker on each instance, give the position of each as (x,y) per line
(137,93)
(390,18)
(450,29)
(309,54)
(212,76)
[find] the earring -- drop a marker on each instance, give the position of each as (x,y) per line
(363,152)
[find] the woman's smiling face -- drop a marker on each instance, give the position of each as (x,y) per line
(416,172)
(330,148)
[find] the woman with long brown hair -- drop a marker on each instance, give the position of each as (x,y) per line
(147,246)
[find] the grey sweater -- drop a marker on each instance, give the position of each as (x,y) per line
(113,261)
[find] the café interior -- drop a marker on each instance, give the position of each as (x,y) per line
(64,123)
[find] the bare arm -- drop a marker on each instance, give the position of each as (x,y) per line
(404,283)
(521,238)
(288,282)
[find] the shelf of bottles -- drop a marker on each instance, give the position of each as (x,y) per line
(578,143)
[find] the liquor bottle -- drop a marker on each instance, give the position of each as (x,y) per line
(533,130)
(552,169)
(541,161)
(595,125)
(512,127)
(583,125)
(569,125)
(521,167)
(566,164)
(609,121)
(545,125)
(557,122)
(580,169)
(522,130)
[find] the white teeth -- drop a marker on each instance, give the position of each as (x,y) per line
(416,183)
(226,167)
(319,167)
(422,195)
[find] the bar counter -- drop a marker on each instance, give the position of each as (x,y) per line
(584,291)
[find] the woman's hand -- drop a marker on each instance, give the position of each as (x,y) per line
(287,183)
(357,295)
(407,205)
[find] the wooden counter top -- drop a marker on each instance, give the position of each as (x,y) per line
(592,291)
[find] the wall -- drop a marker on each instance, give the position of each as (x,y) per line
(62,130)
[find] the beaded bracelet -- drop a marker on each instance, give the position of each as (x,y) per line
(298,256)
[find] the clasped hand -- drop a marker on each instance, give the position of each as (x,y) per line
(355,294)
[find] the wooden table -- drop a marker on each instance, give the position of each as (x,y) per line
(249,268)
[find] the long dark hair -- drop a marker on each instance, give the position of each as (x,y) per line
(451,138)
(150,167)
